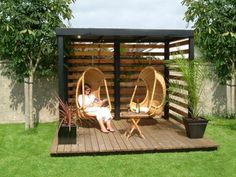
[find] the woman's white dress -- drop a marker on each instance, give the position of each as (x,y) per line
(100,112)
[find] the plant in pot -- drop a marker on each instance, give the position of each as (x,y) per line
(193,73)
(67,126)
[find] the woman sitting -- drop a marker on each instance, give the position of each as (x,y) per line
(94,106)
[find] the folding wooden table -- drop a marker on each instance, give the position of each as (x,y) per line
(135,119)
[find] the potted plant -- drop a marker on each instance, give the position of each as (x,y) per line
(67,126)
(193,74)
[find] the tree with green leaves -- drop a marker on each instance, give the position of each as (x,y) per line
(215,30)
(28,41)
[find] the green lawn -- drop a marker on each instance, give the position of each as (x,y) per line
(26,154)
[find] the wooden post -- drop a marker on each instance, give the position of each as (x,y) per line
(117,78)
(62,72)
(190,57)
(167,73)
(191,48)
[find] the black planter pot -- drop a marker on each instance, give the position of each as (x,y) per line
(66,136)
(195,128)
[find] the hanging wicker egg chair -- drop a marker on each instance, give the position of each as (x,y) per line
(96,79)
(153,102)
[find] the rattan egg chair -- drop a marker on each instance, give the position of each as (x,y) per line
(96,79)
(153,102)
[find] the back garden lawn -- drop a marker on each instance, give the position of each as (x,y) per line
(26,154)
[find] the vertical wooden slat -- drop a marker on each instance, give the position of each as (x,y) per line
(117,79)
(62,72)
(191,48)
(190,57)
(167,77)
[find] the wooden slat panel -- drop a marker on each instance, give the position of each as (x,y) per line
(91,53)
(103,92)
(128,84)
(184,105)
(124,100)
(138,69)
(90,61)
(142,61)
(111,68)
(185,51)
(73,84)
(181,95)
(111,61)
(97,45)
(178,111)
(178,86)
(178,44)
(129,74)
(142,54)
(176,118)
(123,91)
(102,45)
(174,68)
(77,75)
(108,75)
(82,68)
(72,99)
(129,91)
(142,46)
(176,77)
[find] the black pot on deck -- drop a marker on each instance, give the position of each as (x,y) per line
(66,135)
(195,128)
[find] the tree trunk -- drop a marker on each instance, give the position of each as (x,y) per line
(28,91)
(26,88)
(31,102)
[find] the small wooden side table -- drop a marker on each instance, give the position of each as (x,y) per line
(135,119)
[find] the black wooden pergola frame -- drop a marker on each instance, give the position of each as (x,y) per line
(117,36)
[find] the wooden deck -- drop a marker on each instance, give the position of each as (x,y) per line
(160,136)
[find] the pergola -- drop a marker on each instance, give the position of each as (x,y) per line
(118,37)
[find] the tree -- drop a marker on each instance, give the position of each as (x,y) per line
(28,41)
(215,30)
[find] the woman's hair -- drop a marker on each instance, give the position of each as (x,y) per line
(86,86)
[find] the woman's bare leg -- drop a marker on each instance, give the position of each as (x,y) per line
(102,126)
(109,127)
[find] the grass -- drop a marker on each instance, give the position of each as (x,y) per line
(26,154)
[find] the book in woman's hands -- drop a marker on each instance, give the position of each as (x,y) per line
(100,103)
(104,102)
(96,100)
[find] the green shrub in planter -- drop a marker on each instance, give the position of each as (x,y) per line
(193,74)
